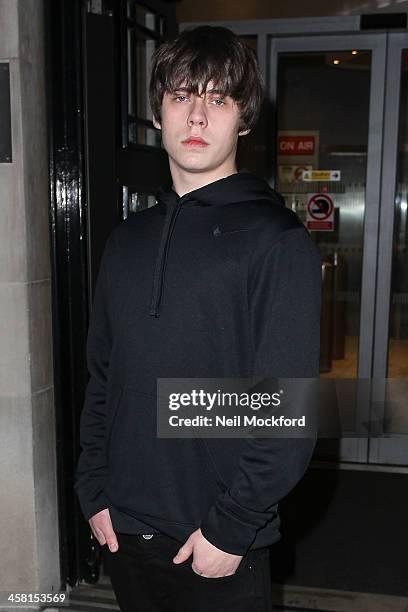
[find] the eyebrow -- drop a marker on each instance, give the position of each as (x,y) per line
(209,91)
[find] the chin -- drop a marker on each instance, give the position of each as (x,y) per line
(193,165)
(202,167)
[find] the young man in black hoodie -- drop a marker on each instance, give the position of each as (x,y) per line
(218,280)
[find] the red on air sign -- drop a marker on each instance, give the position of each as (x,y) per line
(296,145)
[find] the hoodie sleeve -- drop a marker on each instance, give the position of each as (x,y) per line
(92,464)
(284,302)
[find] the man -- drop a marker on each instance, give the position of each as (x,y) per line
(218,280)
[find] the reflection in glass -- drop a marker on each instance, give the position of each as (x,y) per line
(398,343)
(99,7)
(140,51)
(140,125)
(145,17)
(322,112)
(144,135)
(135,201)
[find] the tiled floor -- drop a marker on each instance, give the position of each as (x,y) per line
(347,367)
(90,597)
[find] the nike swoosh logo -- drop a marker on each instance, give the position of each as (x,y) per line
(218,231)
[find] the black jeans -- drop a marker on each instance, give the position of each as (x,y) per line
(145,579)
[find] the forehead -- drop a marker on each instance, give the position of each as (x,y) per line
(201,88)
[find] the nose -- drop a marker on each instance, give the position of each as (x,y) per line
(197,114)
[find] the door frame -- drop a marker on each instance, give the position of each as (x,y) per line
(71,198)
(393,451)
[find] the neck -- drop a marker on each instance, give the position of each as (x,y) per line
(185,181)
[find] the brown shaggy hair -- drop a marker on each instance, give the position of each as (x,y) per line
(208,53)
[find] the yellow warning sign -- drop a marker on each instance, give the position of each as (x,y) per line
(321,175)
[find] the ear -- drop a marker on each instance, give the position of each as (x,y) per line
(156,124)
(244,132)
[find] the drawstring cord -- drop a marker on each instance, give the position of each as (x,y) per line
(158,279)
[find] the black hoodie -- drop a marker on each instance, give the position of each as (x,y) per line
(222,282)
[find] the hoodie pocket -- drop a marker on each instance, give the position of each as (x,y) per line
(162,478)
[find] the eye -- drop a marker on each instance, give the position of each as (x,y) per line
(218,102)
(180,98)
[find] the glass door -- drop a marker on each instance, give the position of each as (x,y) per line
(329,98)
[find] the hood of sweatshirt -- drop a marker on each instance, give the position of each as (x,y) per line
(239,187)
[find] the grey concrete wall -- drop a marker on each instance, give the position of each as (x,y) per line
(29,546)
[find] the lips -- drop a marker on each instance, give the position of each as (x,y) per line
(194,141)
